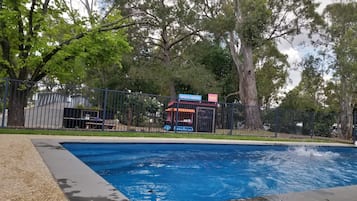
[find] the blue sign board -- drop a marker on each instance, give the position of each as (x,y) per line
(183,128)
(190,97)
(179,128)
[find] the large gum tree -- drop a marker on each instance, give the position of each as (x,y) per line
(341,38)
(246,25)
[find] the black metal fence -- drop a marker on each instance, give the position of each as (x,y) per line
(79,107)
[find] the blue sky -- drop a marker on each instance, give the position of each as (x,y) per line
(296,51)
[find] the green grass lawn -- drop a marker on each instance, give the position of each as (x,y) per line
(248,136)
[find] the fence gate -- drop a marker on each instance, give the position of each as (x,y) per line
(205,119)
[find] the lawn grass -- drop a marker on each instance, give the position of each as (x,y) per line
(248,136)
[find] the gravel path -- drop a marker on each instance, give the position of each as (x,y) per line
(23,175)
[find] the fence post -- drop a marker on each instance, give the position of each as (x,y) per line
(104,107)
(276,122)
(312,120)
(176,115)
(4,102)
(231,119)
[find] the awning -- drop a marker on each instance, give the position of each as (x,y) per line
(180,110)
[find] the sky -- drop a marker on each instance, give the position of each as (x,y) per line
(296,52)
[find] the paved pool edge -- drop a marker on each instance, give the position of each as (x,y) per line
(77,180)
(80,183)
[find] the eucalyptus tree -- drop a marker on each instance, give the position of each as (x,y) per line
(246,25)
(309,93)
(216,60)
(271,73)
(313,99)
(173,26)
(40,38)
(342,31)
(311,85)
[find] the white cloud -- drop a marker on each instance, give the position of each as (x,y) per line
(294,57)
(298,48)
(324,3)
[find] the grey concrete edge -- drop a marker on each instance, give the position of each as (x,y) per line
(77,180)
(80,183)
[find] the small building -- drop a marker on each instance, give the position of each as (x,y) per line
(190,114)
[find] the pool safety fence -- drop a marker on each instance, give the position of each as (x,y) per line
(56,106)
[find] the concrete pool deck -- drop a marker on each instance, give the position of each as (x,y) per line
(78,182)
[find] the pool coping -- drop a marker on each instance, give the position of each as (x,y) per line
(80,183)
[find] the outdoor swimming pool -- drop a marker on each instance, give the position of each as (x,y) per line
(177,172)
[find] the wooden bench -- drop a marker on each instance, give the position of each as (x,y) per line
(98,125)
(108,124)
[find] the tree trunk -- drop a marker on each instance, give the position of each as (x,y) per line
(166,48)
(16,105)
(247,83)
(346,112)
(171,84)
(248,90)
(172,90)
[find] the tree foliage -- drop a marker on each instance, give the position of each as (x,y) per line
(159,46)
(272,71)
(41,38)
(342,32)
(217,61)
(308,100)
(308,94)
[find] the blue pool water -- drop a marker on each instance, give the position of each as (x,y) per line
(197,172)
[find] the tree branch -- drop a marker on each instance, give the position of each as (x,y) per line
(278,25)
(50,55)
(104,29)
(155,44)
(33,29)
(113,23)
(44,12)
(152,16)
(108,12)
(5,65)
(183,38)
(234,52)
(207,10)
(71,12)
(88,7)
(20,30)
(32,8)
(152,38)
(45,7)
(237,11)
(6,61)
(229,95)
(281,34)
